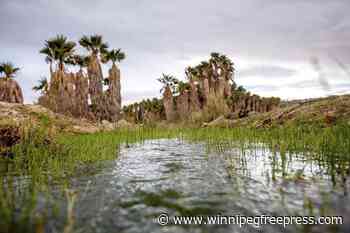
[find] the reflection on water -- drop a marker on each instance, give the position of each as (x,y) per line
(182,178)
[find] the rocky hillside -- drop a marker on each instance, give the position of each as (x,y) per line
(19,114)
(321,112)
(18,121)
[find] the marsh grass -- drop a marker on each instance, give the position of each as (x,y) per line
(44,159)
(328,147)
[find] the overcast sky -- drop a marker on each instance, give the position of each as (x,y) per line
(272,42)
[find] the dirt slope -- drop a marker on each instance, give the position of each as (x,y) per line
(322,111)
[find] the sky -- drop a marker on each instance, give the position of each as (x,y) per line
(290,49)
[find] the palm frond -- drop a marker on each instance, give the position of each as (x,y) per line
(96,40)
(103,47)
(113,55)
(9,69)
(85,42)
(58,49)
(94,43)
(42,85)
(120,55)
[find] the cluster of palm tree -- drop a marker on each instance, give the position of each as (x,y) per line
(148,105)
(168,80)
(209,83)
(138,111)
(176,86)
(60,51)
(219,65)
(8,70)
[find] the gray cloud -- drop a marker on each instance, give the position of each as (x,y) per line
(262,88)
(266,71)
(305,84)
(158,36)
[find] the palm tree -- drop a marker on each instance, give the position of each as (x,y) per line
(42,86)
(214,58)
(80,60)
(10,91)
(227,67)
(50,56)
(168,81)
(215,55)
(8,69)
(115,55)
(58,49)
(192,73)
(204,69)
(182,87)
(94,44)
(214,62)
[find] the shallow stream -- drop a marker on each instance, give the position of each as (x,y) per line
(188,179)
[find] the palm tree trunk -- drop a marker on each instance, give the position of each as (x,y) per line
(96,87)
(10,91)
(51,71)
(168,103)
(61,66)
(113,105)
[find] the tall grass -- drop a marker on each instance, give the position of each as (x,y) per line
(329,147)
(43,158)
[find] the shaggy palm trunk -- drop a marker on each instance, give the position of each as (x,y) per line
(254,103)
(249,104)
(183,105)
(195,105)
(49,100)
(96,86)
(220,87)
(212,85)
(118,87)
(10,91)
(81,95)
(227,89)
(69,93)
(51,70)
(205,90)
(168,102)
(113,98)
(140,113)
(60,97)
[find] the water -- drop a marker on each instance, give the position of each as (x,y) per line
(181,178)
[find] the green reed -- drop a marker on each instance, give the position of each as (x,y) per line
(43,159)
(328,147)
